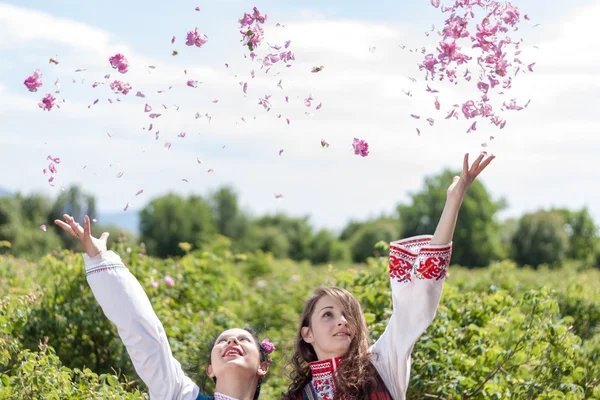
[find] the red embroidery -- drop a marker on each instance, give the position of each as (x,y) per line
(411,256)
(432,268)
(400,269)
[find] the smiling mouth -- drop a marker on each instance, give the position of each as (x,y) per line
(343,334)
(233,352)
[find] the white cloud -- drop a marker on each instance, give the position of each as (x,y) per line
(547,153)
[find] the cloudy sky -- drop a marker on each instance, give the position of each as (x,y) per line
(548,154)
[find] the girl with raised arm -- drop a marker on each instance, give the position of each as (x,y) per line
(333,359)
(238,361)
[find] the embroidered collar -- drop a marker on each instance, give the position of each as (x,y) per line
(221,396)
(329,365)
(323,373)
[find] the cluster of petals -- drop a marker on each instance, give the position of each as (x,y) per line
(119,62)
(361,147)
(120,87)
(47,102)
(252,33)
(194,38)
(497,61)
(34,81)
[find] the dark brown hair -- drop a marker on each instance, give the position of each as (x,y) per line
(356,375)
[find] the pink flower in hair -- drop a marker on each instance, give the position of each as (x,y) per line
(267,346)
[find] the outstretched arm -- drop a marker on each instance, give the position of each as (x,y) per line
(418,267)
(125,304)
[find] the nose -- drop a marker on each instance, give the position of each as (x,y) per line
(233,340)
(342,321)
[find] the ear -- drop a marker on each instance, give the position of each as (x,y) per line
(307,335)
(209,371)
(264,368)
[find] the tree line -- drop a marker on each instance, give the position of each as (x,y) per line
(545,237)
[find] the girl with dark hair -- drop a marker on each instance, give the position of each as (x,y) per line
(238,361)
(333,359)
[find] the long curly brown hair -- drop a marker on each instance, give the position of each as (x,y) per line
(356,375)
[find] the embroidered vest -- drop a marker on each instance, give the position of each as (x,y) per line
(322,386)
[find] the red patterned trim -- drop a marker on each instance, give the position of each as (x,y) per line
(413,256)
(325,366)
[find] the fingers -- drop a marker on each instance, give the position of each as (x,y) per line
(65,227)
(87,232)
(485,163)
(466,164)
(104,237)
(475,166)
(77,230)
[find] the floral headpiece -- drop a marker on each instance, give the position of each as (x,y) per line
(267,347)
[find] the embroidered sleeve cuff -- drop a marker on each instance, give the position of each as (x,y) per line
(415,258)
(104,261)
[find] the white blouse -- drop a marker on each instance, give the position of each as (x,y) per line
(417,272)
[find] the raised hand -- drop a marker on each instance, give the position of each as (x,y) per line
(93,246)
(460,184)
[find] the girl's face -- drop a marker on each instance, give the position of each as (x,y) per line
(236,351)
(328,333)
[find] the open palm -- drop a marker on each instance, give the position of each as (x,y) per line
(93,246)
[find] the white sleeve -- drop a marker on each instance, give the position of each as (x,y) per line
(417,272)
(126,305)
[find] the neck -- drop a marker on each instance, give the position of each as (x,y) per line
(241,389)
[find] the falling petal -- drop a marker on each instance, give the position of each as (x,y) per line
(319,106)
(185,180)
(147,108)
(211,170)
(140,94)
(109,135)
(431,121)
(372,49)
(120,174)
(418,132)
(278,196)
(415,116)
(198,160)
(181,135)
(287,120)
(139,192)
(280,151)
(435,3)
(153,116)
(126,207)
(215,101)
(43,227)
(167,145)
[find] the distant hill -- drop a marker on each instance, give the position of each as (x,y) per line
(4,192)
(128,220)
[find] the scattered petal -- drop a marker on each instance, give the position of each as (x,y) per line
(139,192)
(43,227)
